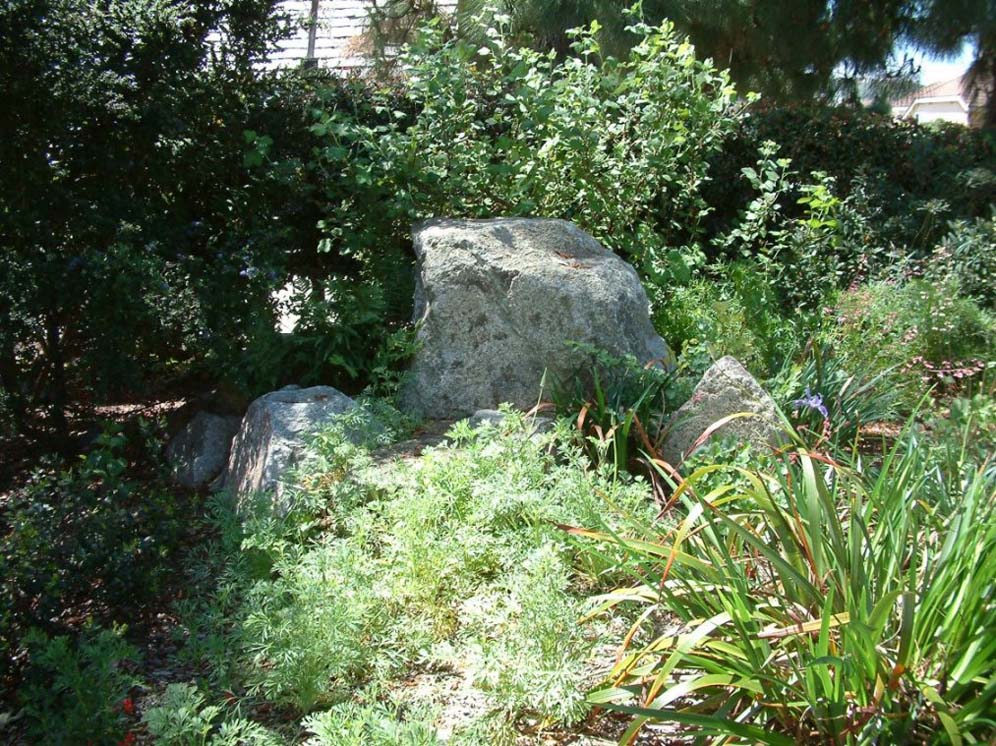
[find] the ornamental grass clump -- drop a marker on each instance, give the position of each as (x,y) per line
(819,603)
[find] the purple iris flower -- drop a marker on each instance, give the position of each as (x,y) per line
(812,401)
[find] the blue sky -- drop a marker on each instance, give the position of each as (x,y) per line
(934,70)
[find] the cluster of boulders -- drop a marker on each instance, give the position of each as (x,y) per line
(504,307)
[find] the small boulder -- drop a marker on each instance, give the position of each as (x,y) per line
(491,417)
(198,452)
(725,389)
(273,436)
(497,302)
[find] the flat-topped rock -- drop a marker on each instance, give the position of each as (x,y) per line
(499,300)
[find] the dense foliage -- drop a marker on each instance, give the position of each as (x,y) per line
(906,181)
(158,189)
(141,239)
(88,540)
(191,190)
(187,193)
(790,52)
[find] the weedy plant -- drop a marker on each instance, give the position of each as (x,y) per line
(620,405)
(452,562)
(819,603)
(183,718)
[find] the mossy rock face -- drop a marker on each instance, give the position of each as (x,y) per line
(499,300)
(726,390)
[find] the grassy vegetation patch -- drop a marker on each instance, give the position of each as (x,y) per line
(454,563)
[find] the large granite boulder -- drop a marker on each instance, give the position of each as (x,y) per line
(725,389)
(499,300)
(273,436)
(197,454)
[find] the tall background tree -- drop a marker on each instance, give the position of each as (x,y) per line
(119,124)
(943,26)
(806,49)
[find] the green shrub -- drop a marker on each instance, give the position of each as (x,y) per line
(966,258)
(78,692)
(123,188)
(909,179)
(609,144)
(309,633)
(92,536)
(738,310)
(967,429)
(926,333)
(534,650)
(706,319)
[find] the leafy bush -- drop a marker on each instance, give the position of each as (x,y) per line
(188,192)
(307,634)
(965,259)
(805,253)
(704,321)
(821,602)
(124,140)
(606,143)
(79,692)
(92,537)
(909,179)
(534,654)
(967,430)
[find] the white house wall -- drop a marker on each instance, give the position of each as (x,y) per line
(940,111)
(337,39)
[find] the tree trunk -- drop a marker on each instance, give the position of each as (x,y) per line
(10,378)
(57,381)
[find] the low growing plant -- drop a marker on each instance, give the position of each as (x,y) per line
(79,692)
(820,603)
(453,561)
(619,404)
(370,725)
(183,718)
(829,402)
(98,534)
(922,332)
(965,257)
